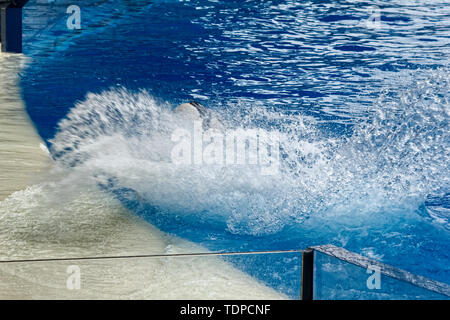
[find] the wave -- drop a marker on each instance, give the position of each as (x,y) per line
(396,157)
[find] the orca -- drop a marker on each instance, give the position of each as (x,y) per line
(195,111)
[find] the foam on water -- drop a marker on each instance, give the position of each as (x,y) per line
(69,217)
(395,158)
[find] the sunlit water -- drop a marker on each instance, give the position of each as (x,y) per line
(360,106)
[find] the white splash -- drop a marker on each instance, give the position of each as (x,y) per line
(396,157)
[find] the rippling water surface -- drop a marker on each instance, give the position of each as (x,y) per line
(357,91)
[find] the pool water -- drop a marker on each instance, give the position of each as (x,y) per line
(357,92)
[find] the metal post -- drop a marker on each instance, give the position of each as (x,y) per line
(11,29)
(11,25)
(307,286)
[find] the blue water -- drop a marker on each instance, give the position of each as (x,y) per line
(372,99)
